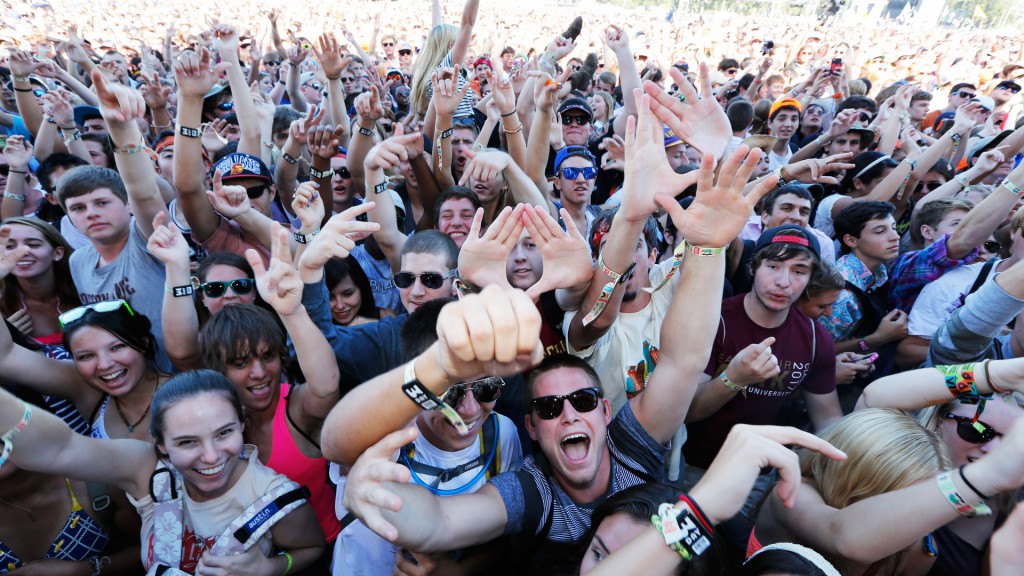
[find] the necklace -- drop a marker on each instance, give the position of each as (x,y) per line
(131,427)
(31,515)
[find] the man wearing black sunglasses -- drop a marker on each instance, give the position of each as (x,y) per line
(587,453)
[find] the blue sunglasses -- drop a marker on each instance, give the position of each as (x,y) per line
(571,173)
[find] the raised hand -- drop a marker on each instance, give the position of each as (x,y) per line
(368,106)
(308,206)
(842,123)
(20,62)
(545,91)
(194,73)
(48,69)
(989,159)
(720,209)
(903,96)
(155,93)
(753,364)
(18,152)
(818,169)
(482,258)
(966,117)
(119,104)
(297,55)
(700,122)
(615,153)
(279,285)
(214,137)
(323,141)
(229,201)
(560,47)
(391,152)
(330,57)
(166,243)
(485,166)
(299,129)
(567,260)
(57,105)
(446,90)
(502,92)
(617,39)
(333,241)
(10,257)
(647,171)
(225,42)
(495,332)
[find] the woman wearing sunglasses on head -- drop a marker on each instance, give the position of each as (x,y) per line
(202,494)
(248,345)
(970,431)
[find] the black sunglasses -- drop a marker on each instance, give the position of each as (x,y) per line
(974,432)
(256,191)
(387,44)
(485,390)
(550,407)
(272,63)
(241,286)
(226,106)
(992,246)
(432,280)
(579,120)
(343,172)
(1011,89)
(963,94)
(405,52)
(314,85)
(932,186)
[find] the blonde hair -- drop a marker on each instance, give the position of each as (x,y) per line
(887,450)
(439,42)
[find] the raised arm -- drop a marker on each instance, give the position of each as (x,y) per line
(984,218)
(486,166)
(510,122)
(180,323)
(717,215)
(22,66)
(329,55)
(368,111)
(225,42)
(280,286)
(446,100)
(465,35)
(46,444)
(384,156)
(121,106)
(617,40)
(195,77)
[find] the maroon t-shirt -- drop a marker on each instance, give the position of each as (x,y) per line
(807,359)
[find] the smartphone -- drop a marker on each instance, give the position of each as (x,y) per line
(837,66)
(767,47)
(869,358)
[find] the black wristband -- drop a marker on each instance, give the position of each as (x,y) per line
(446,133)
(180,291)
(288,158)
(969,485)
(188,132)
(509,114)
(305,238)
(320,175)
(365,132)
(380,188)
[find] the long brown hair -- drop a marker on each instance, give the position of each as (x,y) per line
(10,301)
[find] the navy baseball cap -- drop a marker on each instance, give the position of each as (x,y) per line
(239,165)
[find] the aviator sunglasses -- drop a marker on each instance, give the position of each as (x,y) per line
(432,280)
(485,390)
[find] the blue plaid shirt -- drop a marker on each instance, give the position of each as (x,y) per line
(915,269)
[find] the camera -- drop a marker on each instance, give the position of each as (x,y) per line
(767,47)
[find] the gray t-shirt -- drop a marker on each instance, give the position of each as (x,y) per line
(135,276)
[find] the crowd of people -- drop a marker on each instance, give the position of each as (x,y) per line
(454,289)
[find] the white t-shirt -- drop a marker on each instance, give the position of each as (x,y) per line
(624,356)
(204,521)
(776,161)
(939,299)
(823,215)
(359,551)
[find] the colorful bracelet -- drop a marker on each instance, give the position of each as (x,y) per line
(133,149)
(960,380)
(686,531)
(678,254)
(732,385)
(287,568)
(609,288)
(1013,188)
(945,481)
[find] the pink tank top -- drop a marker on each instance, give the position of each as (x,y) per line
(285,458)
(752,544)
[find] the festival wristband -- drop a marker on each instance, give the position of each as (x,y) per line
(380,188)
(1013,188)
(8,437)
(321,175)
(427,400)
(685,531)
(945,481)
(678,255)
(289,158)
(18,197)
(180,291)
(609,288)
(305,238)
(365,132)
(960,380)
(131,149)
(188,132)
(732,385)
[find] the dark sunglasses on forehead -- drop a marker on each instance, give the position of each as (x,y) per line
(240,286)
(973,432)
(432,280)
(550,407)
(579,120)
(485,390)
(571,173)
(255,192)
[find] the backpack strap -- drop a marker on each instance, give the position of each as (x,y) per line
(249,526)
(288,416)
(489,440)
(983,274)
(99,495)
